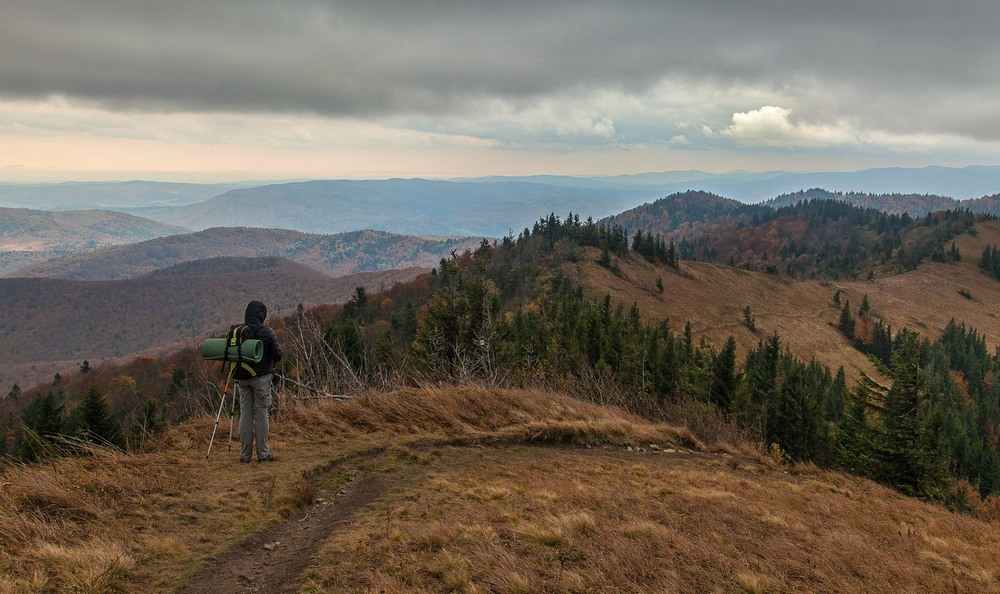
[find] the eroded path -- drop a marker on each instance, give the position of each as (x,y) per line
(275,559)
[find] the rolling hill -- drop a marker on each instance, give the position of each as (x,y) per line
(814,237)
(712,296)
(50,325)
(28,236)
(916,205)
(334,255)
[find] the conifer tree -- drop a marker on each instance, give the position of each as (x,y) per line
(857,440)
(758,389)
(846,323)
(904,464)
(97,424)
(41,421)
(724,379)
(837,397)
(148,422)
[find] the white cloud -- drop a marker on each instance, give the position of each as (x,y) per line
(772,126)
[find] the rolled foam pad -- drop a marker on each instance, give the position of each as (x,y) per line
(217,349)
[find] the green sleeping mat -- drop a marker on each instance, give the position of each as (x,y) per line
(215,349)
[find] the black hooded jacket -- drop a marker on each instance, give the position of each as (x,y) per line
(254,317)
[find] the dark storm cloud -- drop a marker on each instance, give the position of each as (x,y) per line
(902,66)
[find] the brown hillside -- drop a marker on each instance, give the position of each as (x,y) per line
(712,297)
(50,325)
(471,490)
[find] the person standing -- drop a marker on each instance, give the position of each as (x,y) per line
(254,381)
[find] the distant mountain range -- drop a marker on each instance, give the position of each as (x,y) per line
(484,207)
(414,206)
(184,283)
(490,206)
(28,236)
(109,195)
(959,183)
(332,255)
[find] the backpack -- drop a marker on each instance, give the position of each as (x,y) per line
(242,368)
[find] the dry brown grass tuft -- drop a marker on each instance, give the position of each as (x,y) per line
(755,583)
(93,566)
(65,521)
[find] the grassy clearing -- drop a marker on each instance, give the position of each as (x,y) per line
(479,501)
(530,519)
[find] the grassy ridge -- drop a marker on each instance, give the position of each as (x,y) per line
(477,504)
(142,522)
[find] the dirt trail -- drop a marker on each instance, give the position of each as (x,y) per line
(274,560)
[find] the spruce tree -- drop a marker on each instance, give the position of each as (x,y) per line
(857,440)
(724,380)
(97,425)
(41,422)
(757,391)
(865,307)
(903,462)
(846,323)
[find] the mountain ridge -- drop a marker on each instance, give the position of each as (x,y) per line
(333,255)
(414,207)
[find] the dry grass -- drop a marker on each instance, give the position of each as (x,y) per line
(607,520)
(480,501)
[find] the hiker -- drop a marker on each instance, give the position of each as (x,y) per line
(255,387)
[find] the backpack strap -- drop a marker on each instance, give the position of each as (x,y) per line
(235,339)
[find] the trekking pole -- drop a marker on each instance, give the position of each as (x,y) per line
(232,415)
(219,415)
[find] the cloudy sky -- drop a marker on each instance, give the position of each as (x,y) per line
(209,90)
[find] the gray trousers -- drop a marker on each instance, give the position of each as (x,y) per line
(255,404)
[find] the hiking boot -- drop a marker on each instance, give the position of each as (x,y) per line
(244,460)
(268,458)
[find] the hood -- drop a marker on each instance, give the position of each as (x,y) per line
(256,313)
